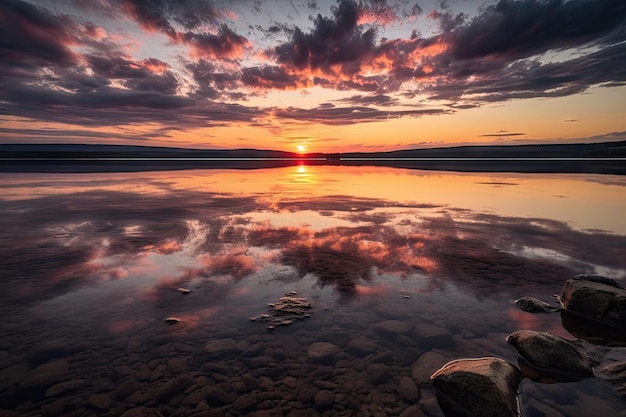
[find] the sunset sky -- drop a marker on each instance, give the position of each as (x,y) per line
(312,75)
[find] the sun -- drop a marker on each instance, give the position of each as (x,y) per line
(301,148)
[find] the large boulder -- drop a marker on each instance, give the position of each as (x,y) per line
(550,357)
(485,387)
(596,298)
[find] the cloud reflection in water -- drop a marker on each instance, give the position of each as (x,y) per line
(207,238)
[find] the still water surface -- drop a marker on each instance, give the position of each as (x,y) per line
(404,269)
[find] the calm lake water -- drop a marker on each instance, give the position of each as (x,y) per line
(404,270)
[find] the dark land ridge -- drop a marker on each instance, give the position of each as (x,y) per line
(605,158)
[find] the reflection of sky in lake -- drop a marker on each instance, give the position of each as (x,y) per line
(106,252)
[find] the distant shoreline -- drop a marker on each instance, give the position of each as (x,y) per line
(599,158)
(614,166)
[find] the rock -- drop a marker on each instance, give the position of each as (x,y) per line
(615,373)
(533,305)
(141,412)
(53,349)
(177,365)
(220,347)
(324,399)
(244,403)
(431,336)
(405,355)
(485,387)
(600,279)
(322,352)
(595,300)
(392,327)
(65,387)
(423,368)
(46,375)
(173,386)
(551,356)
(361,347)
(99,401)
(337,338)
(125,389)
(407,390)
(592,331)
(285,311)
(216,397)
(377,374)
(412,411)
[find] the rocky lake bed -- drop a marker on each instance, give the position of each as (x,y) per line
(372,356)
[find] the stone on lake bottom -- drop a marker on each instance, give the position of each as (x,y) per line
(324,399)
(322,351)
(407,390)
(392,327)
(425,365)
(361,347)
(485,387)
(615,373)
(45,375)
(220,347)
(173,387)
(431,336)
(64,387)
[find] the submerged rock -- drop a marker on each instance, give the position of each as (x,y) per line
(534,305)
(592,331)
(287,310)
(597,298)
(485,387)
(550,357)
(322,352)
(615,373)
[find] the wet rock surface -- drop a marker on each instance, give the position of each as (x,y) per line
(285,311)
(597,298)
(480,387)
(534,305)
(551,355)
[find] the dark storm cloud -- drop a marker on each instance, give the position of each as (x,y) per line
(163,15)
(517,29)
(136,76)
(333,41)
(271,77)
(529,79)
(225,44)
(349,115)
(377,100)
(33,36)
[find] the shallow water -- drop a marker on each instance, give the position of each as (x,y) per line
(396,263)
